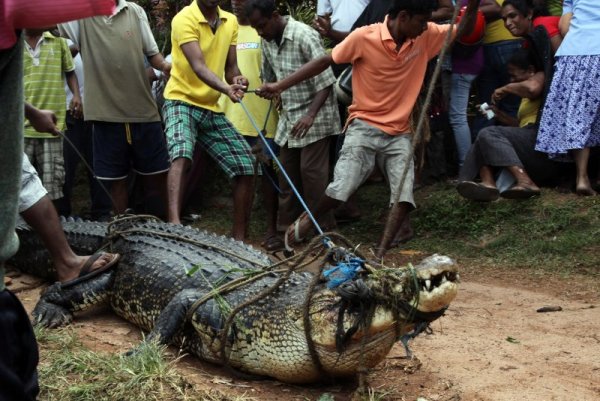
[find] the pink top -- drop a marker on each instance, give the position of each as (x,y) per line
(19,14)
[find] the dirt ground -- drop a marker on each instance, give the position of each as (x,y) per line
(491,345)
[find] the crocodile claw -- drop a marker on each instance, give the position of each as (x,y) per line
(51,315)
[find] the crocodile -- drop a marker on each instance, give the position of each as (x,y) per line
(298,328)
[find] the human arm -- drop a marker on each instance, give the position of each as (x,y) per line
(491,10)
(323,25)
(565,23)
(158,61)
(502,117)
(467,22)
(195,58)
(444,11)
(531,88)
(75,107)
(41,120)
(232,71)
(308,70)
(302,126)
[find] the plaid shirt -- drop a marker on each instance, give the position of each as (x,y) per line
(299,45)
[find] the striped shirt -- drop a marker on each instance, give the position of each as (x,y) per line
(43,79)
(299,45)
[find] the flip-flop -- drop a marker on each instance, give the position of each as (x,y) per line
(518,192)
(86,271)
(273,243)
(477,192)
(297,238)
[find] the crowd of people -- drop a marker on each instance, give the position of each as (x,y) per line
(249,86)
(258,61)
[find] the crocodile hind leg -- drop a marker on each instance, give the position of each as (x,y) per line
(57,304)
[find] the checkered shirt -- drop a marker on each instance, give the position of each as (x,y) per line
(299,45)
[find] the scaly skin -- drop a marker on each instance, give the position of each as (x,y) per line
(150,287)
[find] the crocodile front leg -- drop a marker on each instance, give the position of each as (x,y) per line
(57,304)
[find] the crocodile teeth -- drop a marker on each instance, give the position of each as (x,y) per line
(428,284)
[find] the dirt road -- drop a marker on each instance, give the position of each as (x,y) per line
(491,345)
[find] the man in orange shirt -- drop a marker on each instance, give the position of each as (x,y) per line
(389,62)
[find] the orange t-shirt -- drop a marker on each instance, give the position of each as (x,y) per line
(386,82)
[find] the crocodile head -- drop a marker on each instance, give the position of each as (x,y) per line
(352,326)
(384,306)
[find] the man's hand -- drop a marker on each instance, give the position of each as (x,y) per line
(166,70)
(43,121)
(499,94)
(241,80)
(301,127)
(236,92)
(323,25)
(75,107)
(269,91)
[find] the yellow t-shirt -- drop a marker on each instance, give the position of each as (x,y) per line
(190,25)
(249,58)
(496,31)
(528,111)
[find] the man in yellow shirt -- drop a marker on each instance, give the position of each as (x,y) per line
(204,39)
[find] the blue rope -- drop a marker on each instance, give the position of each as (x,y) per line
(310,215)
(344,271)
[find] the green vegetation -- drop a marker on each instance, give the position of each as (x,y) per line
(68,371)
(555,232)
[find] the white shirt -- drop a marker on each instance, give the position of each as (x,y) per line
(78,72)
(343,12)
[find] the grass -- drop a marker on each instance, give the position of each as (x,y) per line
(70,372)
(555,232)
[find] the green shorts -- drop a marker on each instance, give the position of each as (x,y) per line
(186,124)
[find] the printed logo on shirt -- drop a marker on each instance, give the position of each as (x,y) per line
(248,46)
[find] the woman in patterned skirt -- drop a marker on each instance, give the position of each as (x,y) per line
(570,123)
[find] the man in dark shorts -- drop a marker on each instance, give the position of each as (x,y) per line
(126,125)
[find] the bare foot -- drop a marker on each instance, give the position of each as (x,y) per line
(81,265)
(585,190)
(298,231)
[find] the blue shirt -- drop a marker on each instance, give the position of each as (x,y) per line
(583,37)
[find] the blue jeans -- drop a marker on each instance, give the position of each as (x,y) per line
(493,76)
(457,113)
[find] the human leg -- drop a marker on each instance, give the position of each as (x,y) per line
(175,187)
(37,210)
(242,195)
(232,153)
(181,130)
(394,225)
(314,170)
(583,186)
(356,162)
(289,207)
(393,158)
(459,100)
(151,161)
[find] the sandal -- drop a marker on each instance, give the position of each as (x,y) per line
(520,192)
(87,272)
(273,243)
(477,192)
(294,233)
